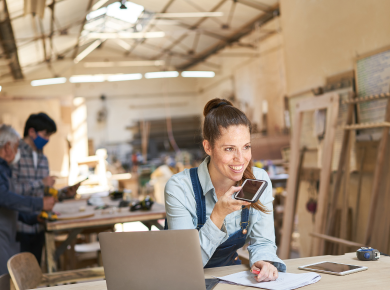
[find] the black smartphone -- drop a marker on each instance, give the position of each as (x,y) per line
(80,181)
(251,190)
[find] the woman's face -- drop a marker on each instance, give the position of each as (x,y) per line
(231,153)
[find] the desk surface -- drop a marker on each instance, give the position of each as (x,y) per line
(376,277)
(104,217)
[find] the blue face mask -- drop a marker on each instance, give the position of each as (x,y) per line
(40,142)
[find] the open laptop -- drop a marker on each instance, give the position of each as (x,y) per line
(152,260)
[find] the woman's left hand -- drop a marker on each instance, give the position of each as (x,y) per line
(268,272)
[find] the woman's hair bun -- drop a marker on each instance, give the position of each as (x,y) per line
(215,103)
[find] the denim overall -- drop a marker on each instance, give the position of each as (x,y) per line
(226,253)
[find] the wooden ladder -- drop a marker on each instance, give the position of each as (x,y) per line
(343,167)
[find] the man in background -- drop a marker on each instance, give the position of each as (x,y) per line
(30,176)
(10,202)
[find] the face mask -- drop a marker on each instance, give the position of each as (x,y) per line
(17,158)
(40,142)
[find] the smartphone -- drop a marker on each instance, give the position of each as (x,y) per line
(251,190)
(80,181)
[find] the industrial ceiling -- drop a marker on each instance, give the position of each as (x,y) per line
(178,34)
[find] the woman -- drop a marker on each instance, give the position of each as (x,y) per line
(201,197)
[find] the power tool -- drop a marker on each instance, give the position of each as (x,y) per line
(57,194)
(60,195)
(145,204)
(368,254)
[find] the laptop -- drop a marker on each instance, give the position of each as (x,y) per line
(152,260)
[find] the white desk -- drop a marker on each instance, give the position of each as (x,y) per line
(376,277)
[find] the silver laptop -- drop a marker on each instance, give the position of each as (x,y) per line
(152,260)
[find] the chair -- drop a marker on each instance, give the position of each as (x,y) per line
(26,273)
(5,282)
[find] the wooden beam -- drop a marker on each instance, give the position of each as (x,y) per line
(380,162)
(330,102)
(320,218)
(366,99)
(336,240)
(367,126)
(196,25)
(76,47)
(242,31)
(339,176)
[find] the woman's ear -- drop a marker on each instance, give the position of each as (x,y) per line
(207,147)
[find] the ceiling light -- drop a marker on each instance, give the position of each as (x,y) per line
(97,13)
(124,77)
(99,4)
(130,14)
(141,63)
(88,50)
(123,4)
(191,14)
(198,74)
(45,82)
(124,63)
(87,79)
(96,35)
(0,88)
(161,74)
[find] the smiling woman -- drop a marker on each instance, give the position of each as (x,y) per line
(202,197)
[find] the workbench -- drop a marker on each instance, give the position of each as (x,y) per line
(101,217)
(376,277)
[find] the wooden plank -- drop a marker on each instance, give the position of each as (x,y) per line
(102,217)
(74,216)
(339,175)
(331,103)
(73,276)
(317,102)
(337,240)
(377,176)
(367,126)
(320,218)
(288,217)
(50,249)
(366,98)
(359,192)
(345,204)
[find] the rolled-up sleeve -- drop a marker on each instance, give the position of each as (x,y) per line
(179,216)
(262,236)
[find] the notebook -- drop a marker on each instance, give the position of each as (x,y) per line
(285,281)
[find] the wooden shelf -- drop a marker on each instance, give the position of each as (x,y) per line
(367,126)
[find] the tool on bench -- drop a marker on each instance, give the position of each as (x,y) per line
(368,254)
(60,195)
(145,204)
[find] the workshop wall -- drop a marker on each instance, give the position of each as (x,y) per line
(128,102)
(16,112)
(322,38)
(253,75)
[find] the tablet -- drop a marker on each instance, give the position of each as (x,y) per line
(333,268)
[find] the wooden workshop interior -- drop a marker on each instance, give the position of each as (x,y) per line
(126,83)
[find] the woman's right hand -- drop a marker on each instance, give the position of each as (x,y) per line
(226,205)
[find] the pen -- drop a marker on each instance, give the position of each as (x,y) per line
(256,272)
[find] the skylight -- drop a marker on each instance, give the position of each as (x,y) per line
(113,10)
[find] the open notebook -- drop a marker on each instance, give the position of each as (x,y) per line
(285,281)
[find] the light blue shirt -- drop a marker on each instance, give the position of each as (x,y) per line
(180,206)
